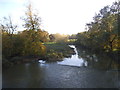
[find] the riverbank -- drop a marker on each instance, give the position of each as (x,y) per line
(99,58)
(58,51)
(55,52)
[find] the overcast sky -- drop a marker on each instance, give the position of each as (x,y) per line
(58,16)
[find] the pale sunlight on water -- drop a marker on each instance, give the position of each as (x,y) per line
(74,60)
(43,74)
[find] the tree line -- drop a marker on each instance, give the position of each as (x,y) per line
(103,33)
(27,42)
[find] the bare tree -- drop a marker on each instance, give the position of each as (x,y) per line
(8,26)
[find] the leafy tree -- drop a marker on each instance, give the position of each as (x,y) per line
(8,29)
(32,21)
(35,36)
(103,31)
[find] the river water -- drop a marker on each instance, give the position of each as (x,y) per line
(74,60)
(74,72)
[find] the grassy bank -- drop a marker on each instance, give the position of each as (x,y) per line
(57,51)
(54,52)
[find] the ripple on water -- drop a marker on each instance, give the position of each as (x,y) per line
(74,60)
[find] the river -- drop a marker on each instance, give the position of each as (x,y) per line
(74,72)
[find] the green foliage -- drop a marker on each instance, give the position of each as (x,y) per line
(21,44)
(54,54)
(102,33)
(56,51)
(26,43)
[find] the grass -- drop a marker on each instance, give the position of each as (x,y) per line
(57,51)
(47,43)
(72,40)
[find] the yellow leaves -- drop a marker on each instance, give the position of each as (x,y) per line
(38,48)
(34,48)
(106,47)
(115,49)
(32,42)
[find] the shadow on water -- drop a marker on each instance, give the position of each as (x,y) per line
(61,75)
(87,58)
(98,60)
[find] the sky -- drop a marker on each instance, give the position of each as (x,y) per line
(58,16)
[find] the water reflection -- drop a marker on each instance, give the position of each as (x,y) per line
(97,60)
(52,75)
(74,60)
(88,58)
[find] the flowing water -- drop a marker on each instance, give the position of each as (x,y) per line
(74,60)
(62,74)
